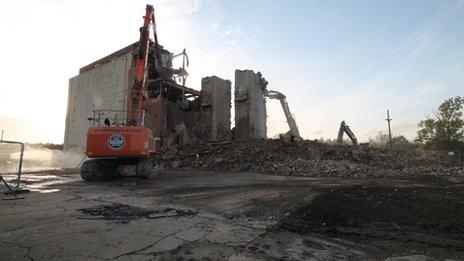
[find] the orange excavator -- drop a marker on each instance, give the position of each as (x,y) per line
(125,138)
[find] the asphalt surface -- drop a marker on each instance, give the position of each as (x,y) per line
(200,215)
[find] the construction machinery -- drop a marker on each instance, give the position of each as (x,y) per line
(293,133)
(346,129)
(122,138)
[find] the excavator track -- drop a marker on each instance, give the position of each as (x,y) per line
(147,169)
(100,169)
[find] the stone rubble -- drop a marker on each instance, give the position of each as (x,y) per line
(309,159)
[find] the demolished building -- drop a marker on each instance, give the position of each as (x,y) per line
(173,108)
(178,114)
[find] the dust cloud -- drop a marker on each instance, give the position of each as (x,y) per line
(36,159)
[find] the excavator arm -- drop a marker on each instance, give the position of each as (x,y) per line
(346,129)
(294,132)
(135,114)
(288,115)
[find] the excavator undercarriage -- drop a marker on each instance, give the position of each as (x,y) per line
(107,168)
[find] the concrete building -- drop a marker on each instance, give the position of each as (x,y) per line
(100,85)
(250,106)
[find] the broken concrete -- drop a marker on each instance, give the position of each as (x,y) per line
(312,159)
(250,106)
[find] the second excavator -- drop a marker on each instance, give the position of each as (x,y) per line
(346,129)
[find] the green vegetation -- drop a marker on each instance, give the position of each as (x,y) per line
(399,142)
(446,130)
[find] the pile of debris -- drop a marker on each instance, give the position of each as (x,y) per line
(116,211)
(307,158)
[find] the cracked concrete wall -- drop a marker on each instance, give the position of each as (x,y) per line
(103,87)
(250,106)
(215,106)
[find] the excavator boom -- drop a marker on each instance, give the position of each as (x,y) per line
(346,129)
(288,115)
(294,132)
(135,113)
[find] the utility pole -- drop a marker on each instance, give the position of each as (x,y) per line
(389,130)
(2,135)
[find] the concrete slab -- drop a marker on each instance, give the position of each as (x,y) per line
(250,106)
(102,87)
(215,106)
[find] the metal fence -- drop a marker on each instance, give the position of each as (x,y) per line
(15,189)
(117,118)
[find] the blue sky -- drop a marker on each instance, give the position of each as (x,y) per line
(356,60)
(340,60)
(334,60)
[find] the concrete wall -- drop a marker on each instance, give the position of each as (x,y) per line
(250,106)
(103,87)
(215,106)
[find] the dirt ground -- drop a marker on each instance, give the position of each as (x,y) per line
(218,215)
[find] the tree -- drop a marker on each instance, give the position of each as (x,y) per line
(379,141)
(399,142)
(446,131)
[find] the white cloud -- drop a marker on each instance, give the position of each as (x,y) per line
(235,32)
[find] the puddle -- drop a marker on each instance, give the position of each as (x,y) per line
(42,182)
(47,190)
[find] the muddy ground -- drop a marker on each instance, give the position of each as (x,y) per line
(408,220)
(219,215)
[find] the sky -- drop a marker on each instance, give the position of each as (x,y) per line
(334,60)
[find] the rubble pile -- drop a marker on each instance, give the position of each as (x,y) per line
(307,158)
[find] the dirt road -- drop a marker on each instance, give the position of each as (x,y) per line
(199,215)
